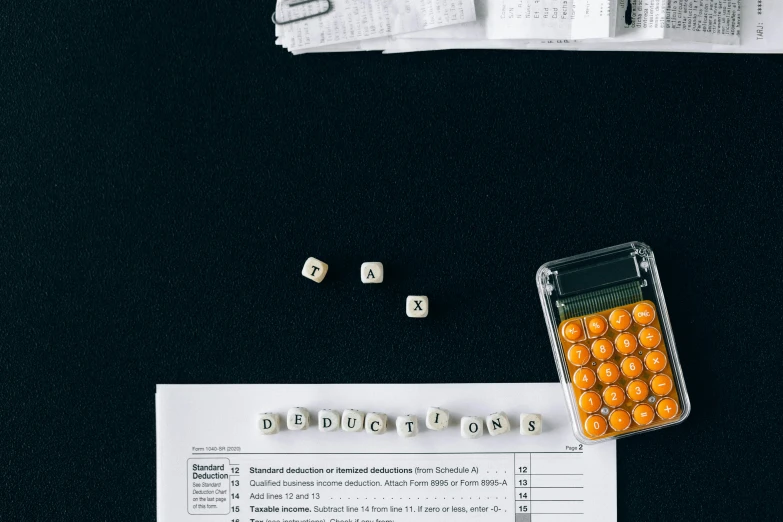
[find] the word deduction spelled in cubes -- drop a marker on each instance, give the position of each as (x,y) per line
(328,420)
(437,418)
(472,427)
(530,424)
(407,426)
(269,423)
(353,421)
(417,306)
(372,272)
(315,269)
(375,423)
(298,419)
(498,423)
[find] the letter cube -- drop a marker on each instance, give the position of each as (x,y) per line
(472,427)
(269,423)
(328,420)
(375,423)
(298,419)
(314,269)
(437,418)
(530,424)
(407,426)
(417,306)
(498,423)
(372,272)
(353,421)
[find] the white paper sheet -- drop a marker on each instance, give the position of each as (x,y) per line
(214,465)
(761,31)
(356,20)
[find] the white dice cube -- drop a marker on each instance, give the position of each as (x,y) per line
(437,419)
(298,419)
(353,421)
(328,420)
(472,427)
(375,423)
(314,269)
(372,272)
(407,426)
(417,306)
(269,423)
(530,424)
(498,423)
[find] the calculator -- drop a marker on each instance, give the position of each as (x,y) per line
(612,342)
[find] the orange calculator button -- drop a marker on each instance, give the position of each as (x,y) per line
(643,414)
(584,378)
(661,384)
(608,372)
(667,408)
(596,325)
(590,402)
(620,319)
(649,337)
(643,314)
(637,390)
(595,425)
(625,343)
(655,361)
(619,420)
(614,396)
(578,355)
(573,331)
(602,349)
(632,367)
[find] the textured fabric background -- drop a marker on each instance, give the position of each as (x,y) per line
(166,170)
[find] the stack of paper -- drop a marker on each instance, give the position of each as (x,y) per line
(396,26)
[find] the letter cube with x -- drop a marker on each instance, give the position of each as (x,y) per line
(417,306)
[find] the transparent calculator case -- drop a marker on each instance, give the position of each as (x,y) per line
(613,342)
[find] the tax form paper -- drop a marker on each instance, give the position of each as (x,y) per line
(725,26)
(215,465)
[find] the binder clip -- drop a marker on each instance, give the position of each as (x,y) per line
(302,13)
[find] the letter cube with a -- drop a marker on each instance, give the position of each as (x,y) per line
(375,423)
(269,423)
(472,427)
(498,423)
(437,419)
(328,420)
(353,421)
(372,272)
(417,306)
(407,426)
(530,424)
(314,269)
(298,419)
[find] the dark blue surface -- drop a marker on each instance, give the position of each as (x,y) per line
(166,170)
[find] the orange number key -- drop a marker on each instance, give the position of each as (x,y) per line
(590,402)
(578,355)
(625,343)
(602,349)
(638,390)
(584,378)
(614,396)
(595,425)
(608,372)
